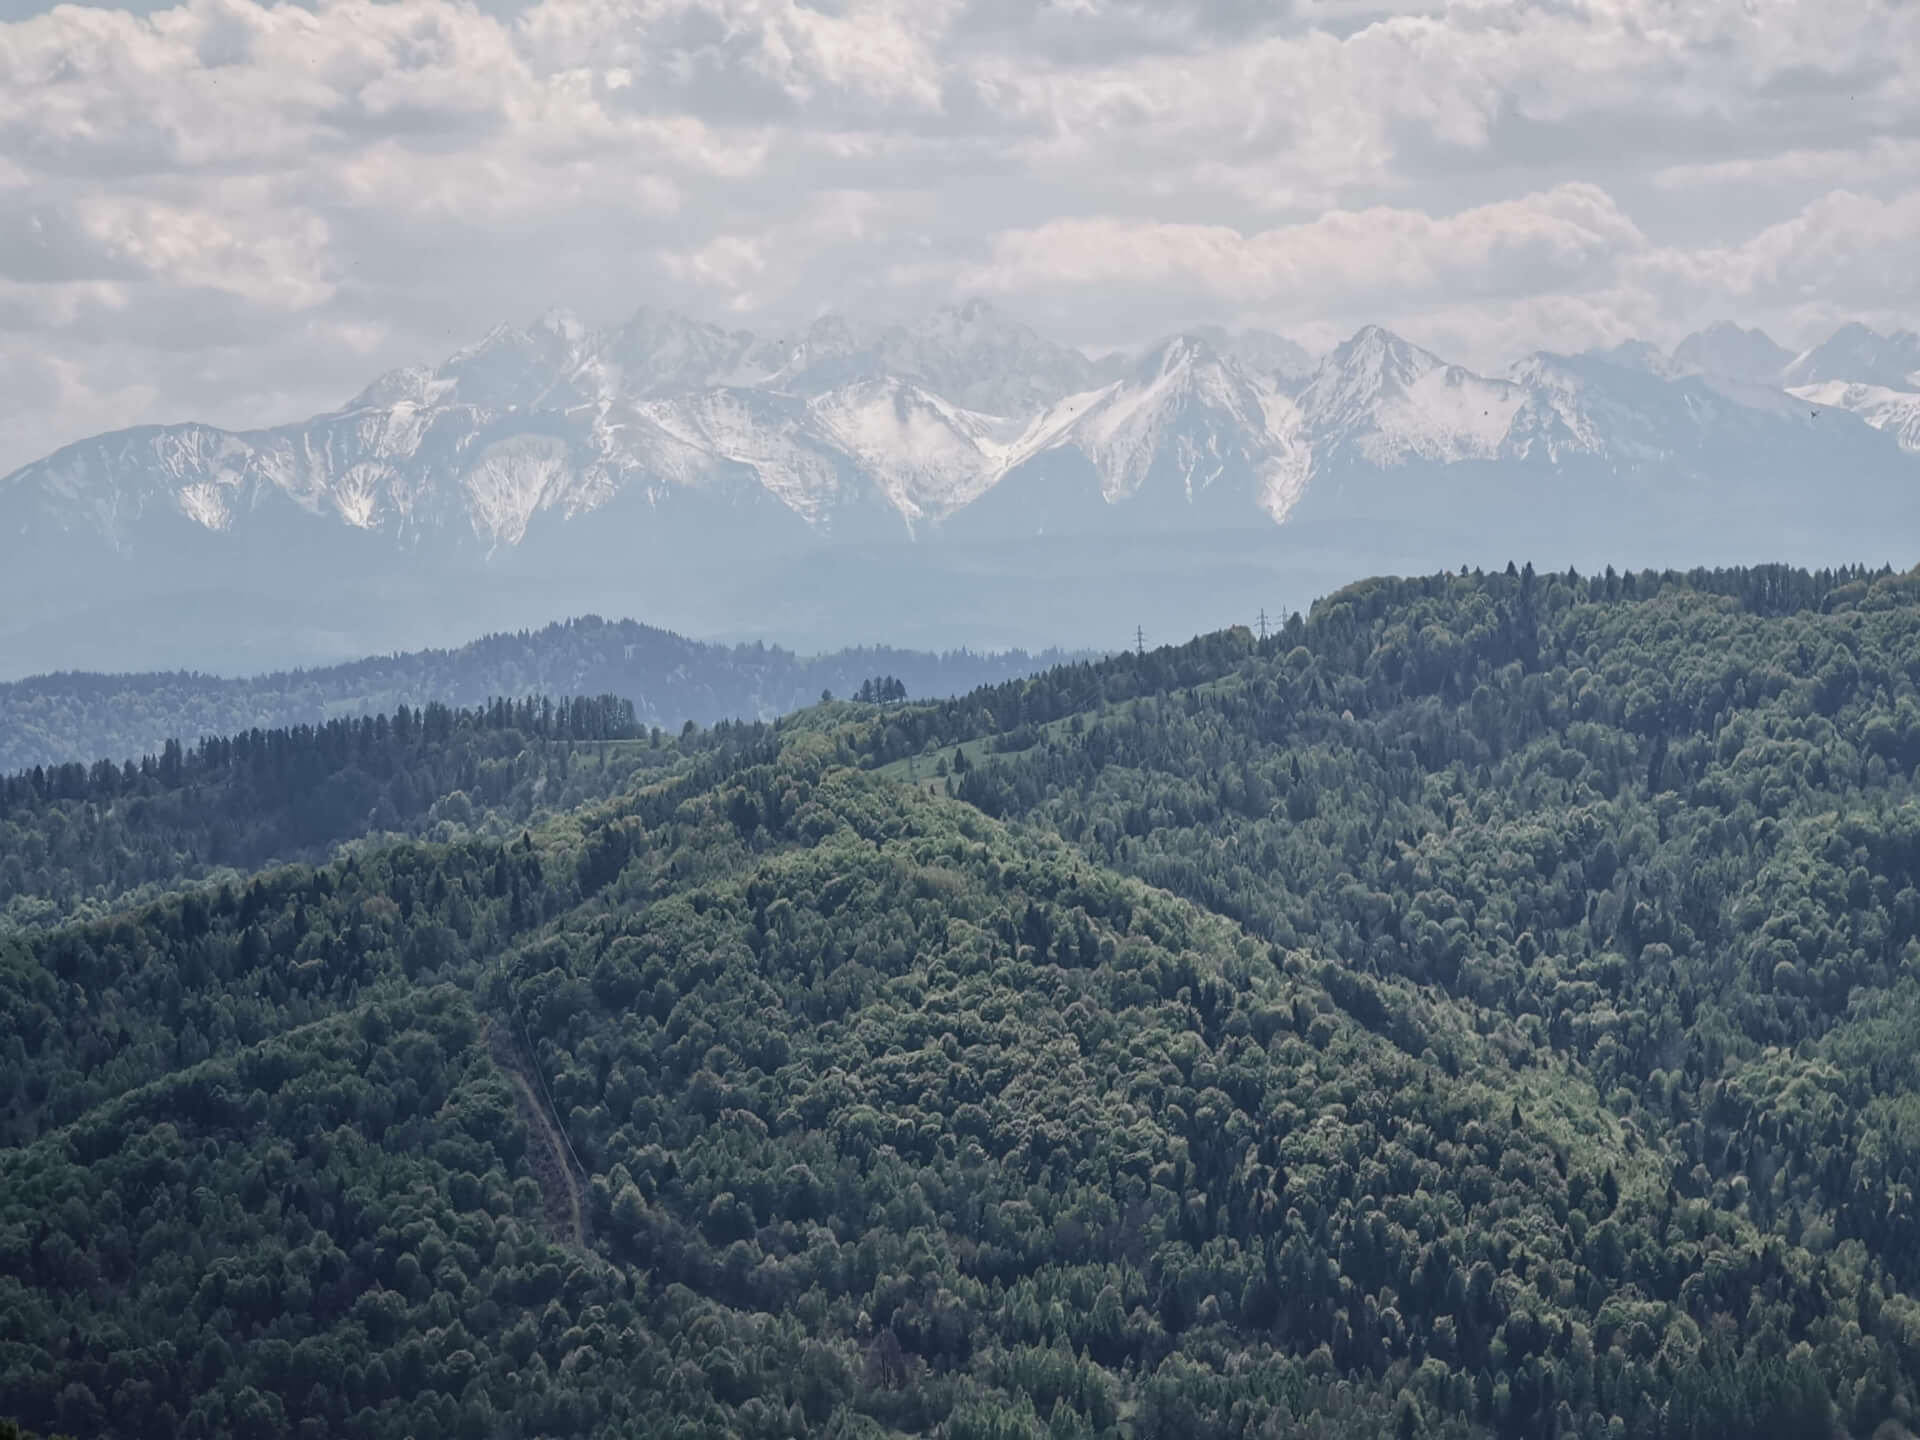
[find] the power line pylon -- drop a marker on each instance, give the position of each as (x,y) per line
(1263,624)
(1139,641)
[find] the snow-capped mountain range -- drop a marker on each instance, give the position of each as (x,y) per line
(557,421)
(559,449)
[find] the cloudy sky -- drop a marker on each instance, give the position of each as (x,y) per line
(240,212)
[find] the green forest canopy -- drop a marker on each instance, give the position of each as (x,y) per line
(1485,1008)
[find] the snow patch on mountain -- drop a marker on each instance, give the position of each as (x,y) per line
(774,437)
(205,503)
(1450,414)
(514,479)
(1185,414)
(1289,462)
(1383,401)
(1119,427)
(357,496)
(1585,407)
(1895,411)
(926,456)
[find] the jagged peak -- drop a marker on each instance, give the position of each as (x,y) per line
(499,337)
(1360,371)
(1371,339)
(537,338)
(1857,333)
(1255,349)
(1541,364)
(1730,352)
(1641,355)
(1187,357)
(1732,330)
(665,400)
(408,385)
(1374,349)
(1856,351)
(1186,348)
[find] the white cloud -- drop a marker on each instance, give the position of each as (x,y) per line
(272,257)
(727,263)
(1842,255)
(1882,159)
(226,207)
(1565,237)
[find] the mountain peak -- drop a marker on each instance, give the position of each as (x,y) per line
(1368,340)
(1640,355)
(1380,400)
(500,337)
(1174,353)
(410,385)
(1861,354)
(851,425)
(1721,329)
(1260,350)
(1726,351)
(1377,357)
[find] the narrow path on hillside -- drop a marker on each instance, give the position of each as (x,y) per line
(547,1154)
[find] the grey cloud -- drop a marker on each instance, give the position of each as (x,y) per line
(418,124)
(170,322)
(49,245)
(1070,35)
(1845,82)
(226,207)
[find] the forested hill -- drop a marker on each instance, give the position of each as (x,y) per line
(1484,1009)
(74,717)
(86,839)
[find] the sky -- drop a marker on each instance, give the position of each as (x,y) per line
(241,213)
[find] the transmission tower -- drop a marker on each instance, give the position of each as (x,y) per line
(1263,623)
(1139,641)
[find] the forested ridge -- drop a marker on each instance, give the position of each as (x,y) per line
(669,679)
(78,839)
(1486,1007)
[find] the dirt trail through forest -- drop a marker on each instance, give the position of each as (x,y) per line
(548,1151)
